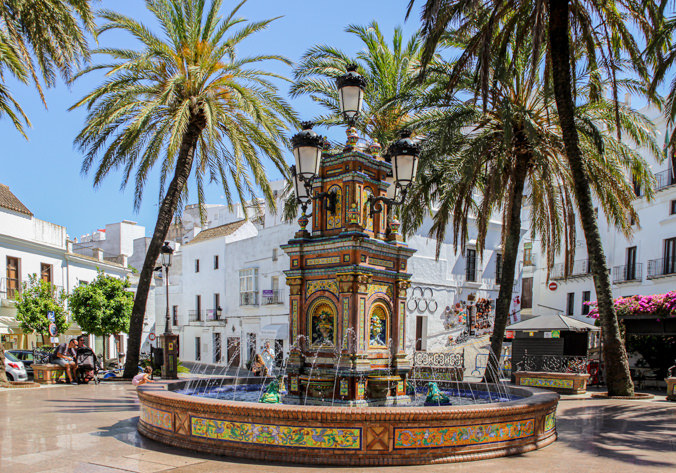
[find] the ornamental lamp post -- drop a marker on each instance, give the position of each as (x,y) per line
(351,86)
(168,339)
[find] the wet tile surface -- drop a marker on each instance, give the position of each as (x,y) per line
(92,429)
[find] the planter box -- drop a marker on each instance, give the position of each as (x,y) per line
(47,374)
(564,383)
(671,388)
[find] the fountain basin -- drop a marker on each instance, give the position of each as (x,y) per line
(348,436)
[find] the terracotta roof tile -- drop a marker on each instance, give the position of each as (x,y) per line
(216,232)
(11,202)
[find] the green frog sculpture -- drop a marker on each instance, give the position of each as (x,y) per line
(410,389)
(272,394)
(435,397)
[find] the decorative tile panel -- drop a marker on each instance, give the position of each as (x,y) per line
(294,321)
(460,436)
(381,262)
(362,314)
(344,388)
(550,421)
(400,321)
(547,383)
(338,439)
(293,383)
(382,288)
(157,418)
(321,285)
(346,321)
(321,261)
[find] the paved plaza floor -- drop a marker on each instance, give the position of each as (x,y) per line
(92,429)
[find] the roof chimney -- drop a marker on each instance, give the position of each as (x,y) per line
(98,253)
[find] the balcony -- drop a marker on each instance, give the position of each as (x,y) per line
(581,268)
(248,298)
(205,315)
(627,273)
(9,288)
(659,268)
(273,296)
(665,179)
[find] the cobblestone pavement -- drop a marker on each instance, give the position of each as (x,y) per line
(92,429)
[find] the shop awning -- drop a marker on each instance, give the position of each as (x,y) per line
(276,331)
(545,323)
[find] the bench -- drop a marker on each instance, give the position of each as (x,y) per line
(47,373)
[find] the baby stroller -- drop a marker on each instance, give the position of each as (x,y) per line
(87,366)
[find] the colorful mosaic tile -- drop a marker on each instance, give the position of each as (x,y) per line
(346,258)
(334,220)
(362,313)
(339,439)
(294,320)
(321,285)
(402,312)
(343,387)
(547,383)
(293,383)
(381,288)
(440,437)
(381,262)
(550,421)
(320,261)
(360,388)
(157,418)
(346,322)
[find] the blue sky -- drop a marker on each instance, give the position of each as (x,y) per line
(44,172)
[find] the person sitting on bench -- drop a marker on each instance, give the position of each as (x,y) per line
(63,356)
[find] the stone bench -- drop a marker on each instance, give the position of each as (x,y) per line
(47,373)
(564,383)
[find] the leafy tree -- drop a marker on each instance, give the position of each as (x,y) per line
(102,307)
(598,36)
(36,299)
(186,100)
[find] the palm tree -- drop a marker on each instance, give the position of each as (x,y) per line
(568,29)
(482,156)
(10,60)
(390,71)
(186,100)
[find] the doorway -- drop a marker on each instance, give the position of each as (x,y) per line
(233,351)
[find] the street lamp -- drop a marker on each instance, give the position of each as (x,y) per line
(165,257)
(403,154)
(351,86)
(307,151)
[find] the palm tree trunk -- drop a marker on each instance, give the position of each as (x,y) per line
(509,257)
(618,377)
(166,213)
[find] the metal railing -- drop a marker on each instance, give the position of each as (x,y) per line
(195,315)
(530,261)
(248,298)
(10,288)
(553,363)
(274,296)
(661,267)
(473,277)
(665,179)
(580,268)
(628,273)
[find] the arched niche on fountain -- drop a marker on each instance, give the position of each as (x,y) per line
(379,322)
(322,323)
(335,220)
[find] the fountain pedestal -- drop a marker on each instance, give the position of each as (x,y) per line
(348,285)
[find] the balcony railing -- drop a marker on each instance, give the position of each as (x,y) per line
(580,268)
(272,296)
(10,288)
(195,315)
(665,179)
(248,298)
(553,363)
(661,267)
(628,273)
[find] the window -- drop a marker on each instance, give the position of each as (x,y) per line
(248,286)
(527,293)
(217,305)
(174,315)
(198,349)
(274,254)
(527,255)
(570,306)
(630,270)
(215,261)
(636,186)
(470,269)
(498,268)
(217,347)
(672,208)
(670,256)
(586,297)
(198,307)
(46,272)
(197,266)
(13,277)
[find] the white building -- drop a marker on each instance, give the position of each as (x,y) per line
(32,246)
(643,264)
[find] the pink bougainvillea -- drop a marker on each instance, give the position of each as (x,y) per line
(663,305)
